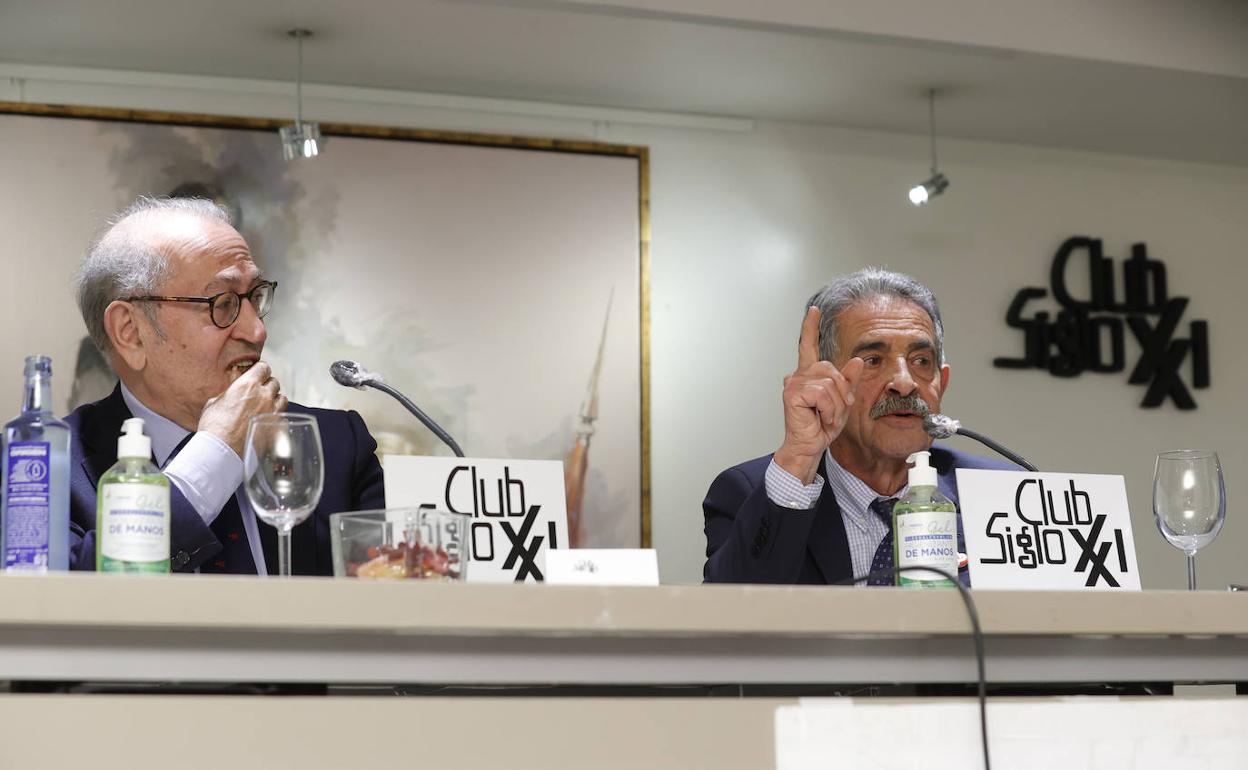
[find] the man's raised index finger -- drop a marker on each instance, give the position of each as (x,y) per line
(852,371)
(808,345)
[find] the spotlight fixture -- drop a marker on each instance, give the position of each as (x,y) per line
(935,184)
(920,193)
(301,140)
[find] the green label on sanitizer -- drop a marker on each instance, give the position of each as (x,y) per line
(926,539)
(134,522)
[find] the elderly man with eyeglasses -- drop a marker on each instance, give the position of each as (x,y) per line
(173,300)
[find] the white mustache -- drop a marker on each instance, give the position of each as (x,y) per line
(891,404)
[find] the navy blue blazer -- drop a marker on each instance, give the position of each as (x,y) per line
(353,482)
(750,539)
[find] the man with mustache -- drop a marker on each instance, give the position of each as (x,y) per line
(171,297)
(819,510)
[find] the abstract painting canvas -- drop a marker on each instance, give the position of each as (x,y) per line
(499,282)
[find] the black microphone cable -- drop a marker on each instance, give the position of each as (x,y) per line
(351,374)
(977,636)
(1013,457)
(419,414)
(942,426)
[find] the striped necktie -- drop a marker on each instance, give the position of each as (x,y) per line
(883,559)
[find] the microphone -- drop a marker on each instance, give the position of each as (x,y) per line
(941,426)
(352,375)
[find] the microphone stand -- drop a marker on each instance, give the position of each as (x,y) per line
(374,382)
(981,438)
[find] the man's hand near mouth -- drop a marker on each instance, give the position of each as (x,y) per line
(254,392)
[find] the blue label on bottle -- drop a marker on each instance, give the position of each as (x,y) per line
(26,506)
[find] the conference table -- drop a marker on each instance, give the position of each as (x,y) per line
(655,676)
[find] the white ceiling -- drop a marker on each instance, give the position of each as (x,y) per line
(645,55)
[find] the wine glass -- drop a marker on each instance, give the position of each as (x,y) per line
(285,473)
(1189,501)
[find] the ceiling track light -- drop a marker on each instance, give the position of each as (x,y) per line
(937,183)
(301,140)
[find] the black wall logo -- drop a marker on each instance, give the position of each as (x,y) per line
(1089,334)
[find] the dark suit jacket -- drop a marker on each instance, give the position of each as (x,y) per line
(353,482)
(750,539)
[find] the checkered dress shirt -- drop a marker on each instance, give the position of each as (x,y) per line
(863,529)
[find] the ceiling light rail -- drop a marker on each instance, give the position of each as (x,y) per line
(131,89)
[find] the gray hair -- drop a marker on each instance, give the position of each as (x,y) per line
(848,290)
(124,262)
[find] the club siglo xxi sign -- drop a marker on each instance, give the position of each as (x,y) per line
(1043,529)
(1088,333)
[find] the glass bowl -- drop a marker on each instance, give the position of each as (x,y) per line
(400,543)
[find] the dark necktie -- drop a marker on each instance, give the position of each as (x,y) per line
(883,560)
(235,556)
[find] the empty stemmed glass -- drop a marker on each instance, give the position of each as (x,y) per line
(285,473)
(1189,501)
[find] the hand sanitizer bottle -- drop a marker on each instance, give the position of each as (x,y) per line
(34,518)
(925,529)
(132,508)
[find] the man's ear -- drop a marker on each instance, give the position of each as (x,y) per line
(122,325)
(944,378)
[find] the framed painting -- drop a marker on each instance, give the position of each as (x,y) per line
(499,281)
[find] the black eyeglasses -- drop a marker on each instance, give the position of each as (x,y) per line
(226,306)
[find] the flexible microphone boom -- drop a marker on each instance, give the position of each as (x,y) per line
(353,375)
(942,426)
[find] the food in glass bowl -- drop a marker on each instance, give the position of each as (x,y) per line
(400,543)
(404,561)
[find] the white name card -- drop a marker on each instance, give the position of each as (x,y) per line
(603,567)
(1047,530)
(518,508)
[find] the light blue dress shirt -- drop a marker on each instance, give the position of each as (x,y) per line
(207,471)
